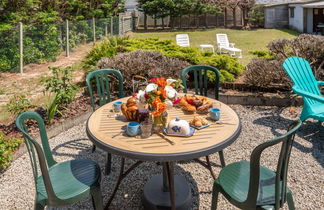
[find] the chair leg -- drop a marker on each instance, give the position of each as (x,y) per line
(93,148)
(108,164)
(221,158)
(96,198)
(38,206)
(215,195)
(290,201)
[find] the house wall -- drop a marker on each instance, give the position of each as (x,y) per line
(276,16)
(297,22)
(310,24)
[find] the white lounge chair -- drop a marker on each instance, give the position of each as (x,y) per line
(223,44)
(183,40)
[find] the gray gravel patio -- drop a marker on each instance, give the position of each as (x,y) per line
(305,175)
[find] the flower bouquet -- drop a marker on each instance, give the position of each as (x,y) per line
(159,95)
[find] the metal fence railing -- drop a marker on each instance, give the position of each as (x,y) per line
(25,44)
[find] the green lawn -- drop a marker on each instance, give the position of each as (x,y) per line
(243,39)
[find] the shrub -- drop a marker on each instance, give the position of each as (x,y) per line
(262,54)
(191,55)
(61,85)
(18,104)
(7,147)
(263,72)
(145,63)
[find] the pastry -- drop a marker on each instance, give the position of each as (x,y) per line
(130,109)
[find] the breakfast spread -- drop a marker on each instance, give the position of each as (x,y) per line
(193,103)
(130,109)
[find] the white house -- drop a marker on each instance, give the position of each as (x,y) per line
(305,16)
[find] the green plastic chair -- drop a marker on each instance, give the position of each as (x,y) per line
(305,85)
(60,183)
(248,185)
(201,86)
(102,84)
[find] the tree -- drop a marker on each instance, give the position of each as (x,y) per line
(232,4)
(245,6)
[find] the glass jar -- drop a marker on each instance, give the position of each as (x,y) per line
(159,122)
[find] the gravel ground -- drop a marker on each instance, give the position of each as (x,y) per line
(305,177)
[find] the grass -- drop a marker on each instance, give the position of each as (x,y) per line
(247,40)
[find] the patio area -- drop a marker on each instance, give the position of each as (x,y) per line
(305,174)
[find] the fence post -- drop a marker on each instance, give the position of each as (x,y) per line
(112,25)
(122,25)
(94,29)
(67,35)
(21,48)
(106,29)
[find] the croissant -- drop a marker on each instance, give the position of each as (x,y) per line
(130,109)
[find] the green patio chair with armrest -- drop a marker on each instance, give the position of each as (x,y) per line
(305,85)
(60,183)
(201,86)
(248,185)
(101,79)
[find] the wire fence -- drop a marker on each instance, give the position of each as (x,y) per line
(26,44)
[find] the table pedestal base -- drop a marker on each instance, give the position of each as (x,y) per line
(155,197)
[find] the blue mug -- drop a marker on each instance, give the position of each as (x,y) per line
(117,106)
(133,128)
(214,114)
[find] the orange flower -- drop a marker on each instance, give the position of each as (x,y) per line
(159,106)
(161,82)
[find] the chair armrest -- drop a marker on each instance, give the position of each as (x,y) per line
(320,82)
(309,95)
(231,45)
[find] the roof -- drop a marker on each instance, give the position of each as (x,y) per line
(294,2)
(314,5)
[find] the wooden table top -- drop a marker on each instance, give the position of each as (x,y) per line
(101,128)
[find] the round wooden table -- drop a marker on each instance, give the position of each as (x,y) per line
(165,190)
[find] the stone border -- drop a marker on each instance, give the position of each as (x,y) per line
(237,98)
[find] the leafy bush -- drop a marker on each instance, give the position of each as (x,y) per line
(268,69)
(7,147)
(262,54)
(191,55)
(145,63)
(18,104)
(61,85)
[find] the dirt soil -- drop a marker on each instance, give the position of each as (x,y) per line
(28,83)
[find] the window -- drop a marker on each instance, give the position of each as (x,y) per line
(292,11)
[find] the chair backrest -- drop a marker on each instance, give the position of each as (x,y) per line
(280,180)
(43,150)
(222,40)
(300,72)
(183,40)
(200,73)
(102,80)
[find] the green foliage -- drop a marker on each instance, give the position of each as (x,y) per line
(7,147)
(190,54)
(18,104)
(262,54)
(108,48)
(256,16)
(61,85)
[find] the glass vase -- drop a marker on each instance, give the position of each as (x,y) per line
(159,122)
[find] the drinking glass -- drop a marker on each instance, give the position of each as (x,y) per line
(146,129)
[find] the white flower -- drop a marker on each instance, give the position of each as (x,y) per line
(170,92)
(168,103)
(151,87)
(141,96)
(170,81)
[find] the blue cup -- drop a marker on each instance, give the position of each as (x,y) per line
(117,106)
(133,128)
(214,114)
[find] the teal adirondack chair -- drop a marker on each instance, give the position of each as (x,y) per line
(305,85)
(60,183)
(102,83)
(249,185)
